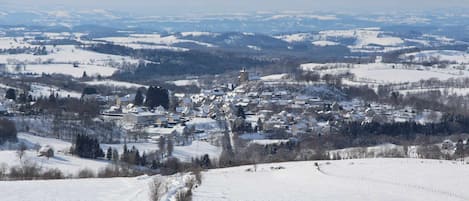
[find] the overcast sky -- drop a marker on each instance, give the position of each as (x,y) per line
(179,7)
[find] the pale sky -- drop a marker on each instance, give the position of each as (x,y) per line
(181,7)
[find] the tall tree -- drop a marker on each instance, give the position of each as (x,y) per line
(157,96)
(240,112)
(7,131)
(11,94)
(138,98)
(109,153)
(170,147)
(162,145)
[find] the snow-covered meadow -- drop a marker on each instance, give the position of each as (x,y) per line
(358,179)
(385,73)
(364,179)
(72,165)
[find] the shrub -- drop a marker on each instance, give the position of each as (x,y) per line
(184,195)
(155,186)
(86,173)
(53,173)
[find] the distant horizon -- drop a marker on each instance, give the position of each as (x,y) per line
(213,7)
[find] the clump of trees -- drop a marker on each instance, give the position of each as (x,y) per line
(10,94)
(29,171)
(8,132)
(157,96)
(87,147)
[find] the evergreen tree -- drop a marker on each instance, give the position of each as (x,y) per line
(459,152)
(205,162)
(154,164)
(89,91)
(11,94)
(8,131)
(240,112)
(138,98)
(84,75)
(170,147)
(157,96)
(115,155)
(109,153)
(162,145)
(87,147)
(125,154)
(260,126)
(143,160)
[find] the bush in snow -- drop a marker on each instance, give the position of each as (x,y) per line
(86,173)
(155,186)
(8,131)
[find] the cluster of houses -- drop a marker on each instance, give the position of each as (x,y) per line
(268,106)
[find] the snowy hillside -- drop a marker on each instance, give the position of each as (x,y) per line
(366,179)
(68,164)
(116,189)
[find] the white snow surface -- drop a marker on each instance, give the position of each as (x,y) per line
(275,77)
(352,180)
(115,189)
(364,37)
(67,69)
(67,54)
(324,43)
(40,90)
(386,72)
(68,164)
(442,55)
(114,83)
(155,39)
(183,153)
(182,83)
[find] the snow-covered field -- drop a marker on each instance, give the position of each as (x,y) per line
(380,72)
(66,163)
(115,189)
(153,41)
(449,91)
(67,54)
(442,55)
(66,69)
(386,72)
(353,180)
(113,83)
(364,37)
(182,83)
(364,179)
(96,189)
(274,77)
(39,90)
(13,42)
(183,153)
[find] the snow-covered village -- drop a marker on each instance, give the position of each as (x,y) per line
(125,102)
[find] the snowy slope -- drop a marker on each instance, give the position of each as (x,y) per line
(113,83)
(352,180)
(442,55)
(115,189)
(66,69)
(68,164)
(154,41)
(68,54)
(385,72)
